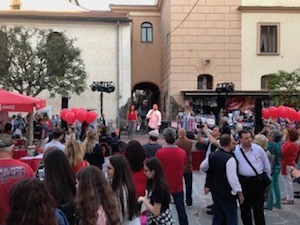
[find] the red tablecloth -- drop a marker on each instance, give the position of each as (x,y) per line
(19,153)
(197,158)
(32,161)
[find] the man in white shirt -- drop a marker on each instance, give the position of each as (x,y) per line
(58,135)
(154,117)
(223,182)
(253,189)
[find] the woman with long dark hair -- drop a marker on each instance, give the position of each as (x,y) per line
(136,156)
(119,174)
(95,200)
(30,203)
(60,181)
(158,196)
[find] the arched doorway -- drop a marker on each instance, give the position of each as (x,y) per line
(145,91)
(144,95)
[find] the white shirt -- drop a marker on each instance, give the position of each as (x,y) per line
(18,132)
(204,166)
(154,117)
(54,143)
(232,177)
(258,158)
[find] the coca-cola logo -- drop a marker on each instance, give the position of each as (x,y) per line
(7,107)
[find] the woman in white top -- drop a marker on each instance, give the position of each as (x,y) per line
(119,173)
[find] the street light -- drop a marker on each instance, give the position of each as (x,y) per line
(102,86)
(226,87)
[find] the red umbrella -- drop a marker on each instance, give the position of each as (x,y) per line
(15,102)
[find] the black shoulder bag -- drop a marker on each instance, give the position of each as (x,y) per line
(263,178)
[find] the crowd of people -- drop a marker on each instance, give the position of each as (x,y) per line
(84,182)
(89,177)
(250,167)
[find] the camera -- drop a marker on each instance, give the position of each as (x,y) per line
(200,125)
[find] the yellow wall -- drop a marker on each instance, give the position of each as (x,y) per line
(254,66)
(211,32)
(146,57)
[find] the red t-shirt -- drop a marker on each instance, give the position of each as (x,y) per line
(11,171)
(139,180)
(173,161)
(79,166)
(289,153)
(132,115)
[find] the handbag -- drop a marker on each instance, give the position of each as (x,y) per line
(263,177)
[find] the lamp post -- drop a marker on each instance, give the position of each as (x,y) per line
(102,86)
(226,87)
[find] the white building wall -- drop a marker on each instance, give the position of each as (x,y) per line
(253,65)
(98,44)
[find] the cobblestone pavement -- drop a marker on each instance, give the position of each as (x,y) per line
(288,215)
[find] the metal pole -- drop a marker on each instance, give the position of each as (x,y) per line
(101,103)
(118,73)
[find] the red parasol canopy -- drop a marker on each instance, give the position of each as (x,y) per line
(15,102)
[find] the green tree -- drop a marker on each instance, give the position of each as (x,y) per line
(285,87)
(33,60)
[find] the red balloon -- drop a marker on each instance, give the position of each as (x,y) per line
(285,112)
(70,118)
(298,116)
(292,114)
(273,112)
(282,111)
(81,115)
(91,116)
(74,110)
(63,113)
(265,113)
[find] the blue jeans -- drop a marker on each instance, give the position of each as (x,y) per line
(188,180)
(225,211)
(131,128)
(178,200)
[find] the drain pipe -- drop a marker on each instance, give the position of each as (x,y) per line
(118,74)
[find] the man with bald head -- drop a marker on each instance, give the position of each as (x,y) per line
(186,144)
